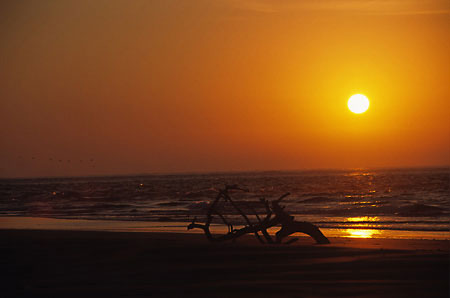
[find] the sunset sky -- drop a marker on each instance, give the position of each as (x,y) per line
(123,87)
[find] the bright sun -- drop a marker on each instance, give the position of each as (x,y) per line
(358,103)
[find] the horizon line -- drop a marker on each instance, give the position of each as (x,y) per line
(215,172)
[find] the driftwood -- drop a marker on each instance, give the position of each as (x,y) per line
(275,216)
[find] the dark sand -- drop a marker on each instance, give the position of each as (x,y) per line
(111,264)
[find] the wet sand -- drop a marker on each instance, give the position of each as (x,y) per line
(38,263)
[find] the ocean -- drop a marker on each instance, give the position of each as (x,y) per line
(360,202)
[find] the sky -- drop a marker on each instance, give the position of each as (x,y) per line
(130,87)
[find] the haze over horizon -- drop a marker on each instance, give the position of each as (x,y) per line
(126,87)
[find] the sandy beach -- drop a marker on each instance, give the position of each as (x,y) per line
(51,263)
(315,132)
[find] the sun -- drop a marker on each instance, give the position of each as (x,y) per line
(358,103)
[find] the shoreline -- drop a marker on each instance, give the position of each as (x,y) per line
(45,223)
(168,238)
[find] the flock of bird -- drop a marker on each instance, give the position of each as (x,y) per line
(90,162)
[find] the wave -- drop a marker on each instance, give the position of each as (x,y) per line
(406,196)
(420,210)
(315,200)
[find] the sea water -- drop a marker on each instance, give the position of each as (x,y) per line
(360,201)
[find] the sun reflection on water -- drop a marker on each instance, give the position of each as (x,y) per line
(363,218)
(365,223)
(363,233)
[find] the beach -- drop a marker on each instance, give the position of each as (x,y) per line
(127,236)
(249,148)
(70,263)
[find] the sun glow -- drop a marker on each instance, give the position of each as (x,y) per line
(358,103)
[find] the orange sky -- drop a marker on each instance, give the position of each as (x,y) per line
(175,86)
